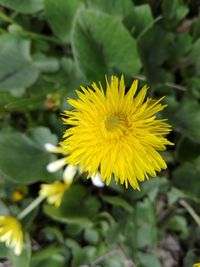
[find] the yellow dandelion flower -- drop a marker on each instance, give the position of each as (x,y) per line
(196,265)
(11,233)
(54,192)
(116,133)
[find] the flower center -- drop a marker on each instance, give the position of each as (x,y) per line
(112,123)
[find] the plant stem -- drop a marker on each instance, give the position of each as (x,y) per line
(191,211)
(8,19)
(27,33)
(30,207)
(148,27)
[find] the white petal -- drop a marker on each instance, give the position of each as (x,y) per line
(69,173)
(96,180)
(18,248)
(56,165)
(52,148)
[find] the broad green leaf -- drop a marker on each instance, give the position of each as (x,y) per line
(96,53)
(148,188)
(174,10)
(75,203)
(83,255)
(23,6)
(145,224)
(60,15)
(53,233)
(32,103)
(6,98)
(186,118)
(16,67)
(190,258)
(139,19)
(117,260)
(179,224)
(194,56)
(46,64)
(117,201)
(186,177)
(91,236)
(24,159)
(56,215)
(187,150)
(152,58)
(118,8)
(174,195)
(148,260)
(75,208)
(54,260)
(47,253)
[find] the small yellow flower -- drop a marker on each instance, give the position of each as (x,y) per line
(11,233)
(196,265)
(17,196)
(54,192)
(116,133)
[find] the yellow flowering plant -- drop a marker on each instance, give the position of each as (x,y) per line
(99,133)
(116,133)
(11,233)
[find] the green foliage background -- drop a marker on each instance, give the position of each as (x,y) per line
(48,48)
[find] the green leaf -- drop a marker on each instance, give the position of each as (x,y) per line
(194,56)
(24,159)
(117,201)
(174,10)
(81,255)
(187,150)
(148,188)
(22,260)
(118,8)
(186,177)
(139,18)
(186,118)
(96,53)
(23,6)
(75,208)
(31,103)
(46,64)
(16,68)
(152,58)
(148,260)
(52,233)
(47,252)
(145,224)
(54,260)
(56,215)
(76,204)
(91,236)
(60,15)
(174,194)
(178,224)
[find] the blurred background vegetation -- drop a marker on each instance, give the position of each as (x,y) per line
(48,48)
